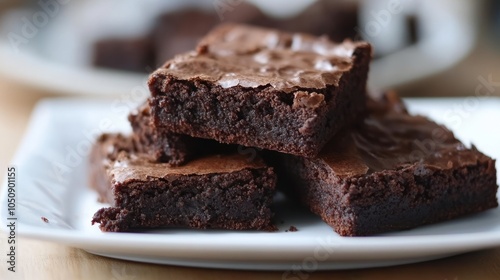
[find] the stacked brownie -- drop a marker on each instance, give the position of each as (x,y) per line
(391,171)
(300,102)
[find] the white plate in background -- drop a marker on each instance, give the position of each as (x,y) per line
(52,183)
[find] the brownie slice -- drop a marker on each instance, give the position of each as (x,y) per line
(262,88)
(162,145)
(336,19)
(179,31)
(215,191)
(129,54)
(392,171)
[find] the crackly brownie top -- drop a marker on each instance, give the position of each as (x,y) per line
(124,165)
(129,167)
(389,139)
(233,55)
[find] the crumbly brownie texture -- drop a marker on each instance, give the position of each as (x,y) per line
(392,171)
(215,191)
(163,146)
(262,88)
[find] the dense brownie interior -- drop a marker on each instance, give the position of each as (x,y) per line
(162,145)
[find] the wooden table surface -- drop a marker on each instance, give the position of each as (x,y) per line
(44,260)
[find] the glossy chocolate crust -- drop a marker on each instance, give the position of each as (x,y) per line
(239,55)
(392,171)
(262,88)
(214,191)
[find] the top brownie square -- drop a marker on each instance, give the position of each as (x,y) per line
(262,88)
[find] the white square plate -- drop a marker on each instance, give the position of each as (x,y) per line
(52,183)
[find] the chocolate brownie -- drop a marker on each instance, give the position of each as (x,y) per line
(163,146)
(215,191)
(392,171)
(179,31)
(262,88)
(129,54)
(336,19)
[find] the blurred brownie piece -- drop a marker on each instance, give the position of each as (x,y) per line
(336,19)
(177,32)
(223,191)
(262,88)
(392,171)
(128,54)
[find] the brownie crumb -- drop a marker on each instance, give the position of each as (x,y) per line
(45,220)
(293,229)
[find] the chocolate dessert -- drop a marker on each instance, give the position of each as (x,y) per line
(133,54)
(392,171)
(178,31)
(223,191)
(262,88)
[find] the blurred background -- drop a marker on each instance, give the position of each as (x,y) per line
(103,48)
(95,47)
